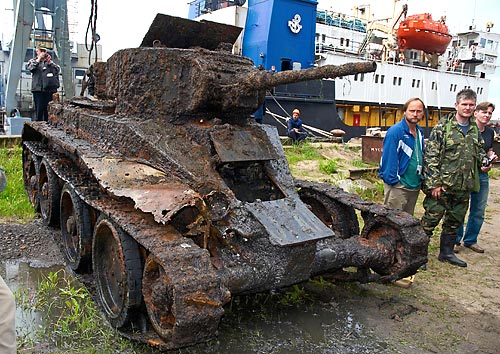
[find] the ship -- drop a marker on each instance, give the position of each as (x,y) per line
(416,57)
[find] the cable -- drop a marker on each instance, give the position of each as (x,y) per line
(91,26)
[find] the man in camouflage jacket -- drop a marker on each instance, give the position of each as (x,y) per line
(452,157)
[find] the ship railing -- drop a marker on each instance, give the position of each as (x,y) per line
(340,20)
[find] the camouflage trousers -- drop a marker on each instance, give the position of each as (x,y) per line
(452,205)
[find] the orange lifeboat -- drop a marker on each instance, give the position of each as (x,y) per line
(421,32)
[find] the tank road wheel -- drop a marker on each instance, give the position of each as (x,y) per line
(31,165)
(158,298)
(117,271)
(49,194)
(76,229)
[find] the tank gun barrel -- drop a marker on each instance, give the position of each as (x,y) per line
(264,80)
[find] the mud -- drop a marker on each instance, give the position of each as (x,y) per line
(447,309)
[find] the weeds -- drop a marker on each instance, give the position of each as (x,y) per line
(328,166)
(14,204)
(69,318)
(297,295)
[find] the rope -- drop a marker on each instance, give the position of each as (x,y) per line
(306,127)
(91,26)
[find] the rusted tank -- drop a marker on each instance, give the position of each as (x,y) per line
(172,199)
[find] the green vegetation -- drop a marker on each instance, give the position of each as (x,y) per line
(14,204)
(328,166)
(71,321)
(300,152)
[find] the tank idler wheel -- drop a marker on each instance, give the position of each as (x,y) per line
(31,166)
(158,298)
(117,268)
(340,218)
(76,230)
(49,193)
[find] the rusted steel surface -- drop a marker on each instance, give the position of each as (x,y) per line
(391,242)
(204,34)
(371,148)
(200,197)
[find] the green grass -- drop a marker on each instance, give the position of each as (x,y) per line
(300,152)
(328,166)
(14,204)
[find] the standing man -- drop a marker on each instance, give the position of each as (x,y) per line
(7,306)
(44,82)
(452,155)
(478,200)
(294,125)
(402,159)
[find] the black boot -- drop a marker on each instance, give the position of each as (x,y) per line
(446,253)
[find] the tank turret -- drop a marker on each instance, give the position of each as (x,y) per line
(174,199)
(192,82)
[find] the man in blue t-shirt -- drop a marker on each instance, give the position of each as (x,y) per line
(294,125)
(402,157)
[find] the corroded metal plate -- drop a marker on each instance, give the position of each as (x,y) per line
(288,221)
(241,145)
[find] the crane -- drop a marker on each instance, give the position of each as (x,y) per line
(44,23)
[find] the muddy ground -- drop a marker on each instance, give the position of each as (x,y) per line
(447,309)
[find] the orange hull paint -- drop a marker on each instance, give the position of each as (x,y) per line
(421,32)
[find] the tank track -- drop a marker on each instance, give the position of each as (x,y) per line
(394,231)
(197,291)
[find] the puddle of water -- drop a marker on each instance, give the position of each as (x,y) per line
(252,324)
(21,276)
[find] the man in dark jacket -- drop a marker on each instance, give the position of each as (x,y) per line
(294,127)
(44,82)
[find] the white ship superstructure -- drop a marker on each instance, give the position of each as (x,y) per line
(363,100)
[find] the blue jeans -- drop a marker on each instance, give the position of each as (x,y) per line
(476,213)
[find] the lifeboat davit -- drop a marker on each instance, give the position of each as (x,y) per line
(421,32)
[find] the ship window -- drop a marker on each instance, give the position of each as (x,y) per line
(362,78)
(323,38)
(376,78)
(434,85)
(394,80)
(317,37)
(382,79)
(347,42)
(418,83)
(399,81)
(341,41)
(413,82)
(355,77)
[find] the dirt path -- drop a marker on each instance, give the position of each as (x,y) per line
(448,309)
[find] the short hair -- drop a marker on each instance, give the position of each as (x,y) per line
(466,94)
(407,103)
(42,49)
(483,106)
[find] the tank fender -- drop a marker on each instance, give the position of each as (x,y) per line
(150,189)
